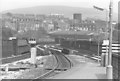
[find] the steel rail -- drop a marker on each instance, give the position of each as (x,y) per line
(47,73)
(56,67)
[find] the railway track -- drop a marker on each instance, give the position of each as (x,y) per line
(63,64)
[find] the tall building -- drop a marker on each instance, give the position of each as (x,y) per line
(77,17)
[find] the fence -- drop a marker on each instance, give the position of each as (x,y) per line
(116,66)
(115,58)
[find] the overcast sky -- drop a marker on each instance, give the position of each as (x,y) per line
(13,4)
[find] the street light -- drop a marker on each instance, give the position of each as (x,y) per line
(109,70)
(102,9)
(109,67)
(106,31)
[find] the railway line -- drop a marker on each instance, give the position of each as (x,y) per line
(63,63)
(60,63)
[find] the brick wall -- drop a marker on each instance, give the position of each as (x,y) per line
(82,45)
(7,48)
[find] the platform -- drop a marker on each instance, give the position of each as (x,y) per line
(85,69)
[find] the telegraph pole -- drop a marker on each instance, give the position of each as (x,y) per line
(109,67)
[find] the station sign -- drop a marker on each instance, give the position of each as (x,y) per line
(105,42)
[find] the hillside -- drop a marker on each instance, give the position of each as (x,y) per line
(67,11)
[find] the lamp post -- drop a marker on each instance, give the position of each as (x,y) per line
(109,67)
(106,31)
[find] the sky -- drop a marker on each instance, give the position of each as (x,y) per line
(14,4)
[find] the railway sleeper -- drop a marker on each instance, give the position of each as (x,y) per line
(60,69)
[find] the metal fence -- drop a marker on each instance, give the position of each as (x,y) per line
(116,66)
(115,58)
